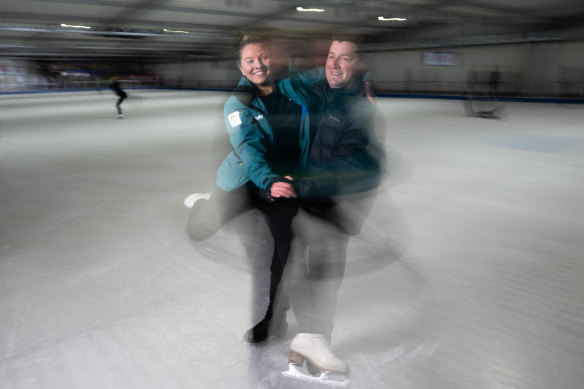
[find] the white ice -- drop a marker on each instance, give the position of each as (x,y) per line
(468,273)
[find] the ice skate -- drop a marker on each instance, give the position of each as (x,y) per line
(193,198)
(120,116)
(311,359)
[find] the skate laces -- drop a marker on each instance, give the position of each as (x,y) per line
(324,342)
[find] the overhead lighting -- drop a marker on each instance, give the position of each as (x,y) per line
(391,19)
(178,31)
(302,9)
(70,26)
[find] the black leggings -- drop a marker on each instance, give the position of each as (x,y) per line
(122,98)
(208,216)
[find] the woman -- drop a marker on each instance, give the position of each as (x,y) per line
(269,135)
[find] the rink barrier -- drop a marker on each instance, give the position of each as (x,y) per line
(557,100)
(552,100)
(92,90)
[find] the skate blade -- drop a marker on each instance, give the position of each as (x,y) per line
(325,378)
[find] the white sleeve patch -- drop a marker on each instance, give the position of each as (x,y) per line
(234,119)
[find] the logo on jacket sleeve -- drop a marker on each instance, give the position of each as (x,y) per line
(234,119)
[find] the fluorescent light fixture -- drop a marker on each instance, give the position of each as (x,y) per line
(70,26)
(302,9)
(391,19)
(182,32)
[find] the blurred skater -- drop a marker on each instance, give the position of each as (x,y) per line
(336,192)
(269,136)
(483,104)
(115,86)
(494,79)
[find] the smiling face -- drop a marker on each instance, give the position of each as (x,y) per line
(254,64)
(341,64)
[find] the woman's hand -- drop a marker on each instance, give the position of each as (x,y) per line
(282,189)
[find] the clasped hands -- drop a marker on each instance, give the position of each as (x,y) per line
(283,189)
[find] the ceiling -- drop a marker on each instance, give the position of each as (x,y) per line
(169,30)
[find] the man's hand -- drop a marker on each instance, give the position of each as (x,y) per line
(369,90)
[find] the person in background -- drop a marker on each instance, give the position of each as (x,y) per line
(494,79)
(115,86)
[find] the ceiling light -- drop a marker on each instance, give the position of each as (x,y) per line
(391,19)
(302,9)
(70,26)
(182,32)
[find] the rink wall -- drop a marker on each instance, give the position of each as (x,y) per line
(545,70)
(542,69)
(530,70)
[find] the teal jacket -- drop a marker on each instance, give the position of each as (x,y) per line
(251,134)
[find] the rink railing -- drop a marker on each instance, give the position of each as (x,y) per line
(43,85)
(513,88)
(573,90)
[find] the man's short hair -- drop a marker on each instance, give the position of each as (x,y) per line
(346,37)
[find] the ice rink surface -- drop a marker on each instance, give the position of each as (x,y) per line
(468,274)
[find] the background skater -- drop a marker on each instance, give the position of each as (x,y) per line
(115,86)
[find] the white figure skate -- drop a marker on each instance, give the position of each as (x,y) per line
(321,365)
(193,198)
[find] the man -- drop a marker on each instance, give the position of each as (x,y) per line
(344,168)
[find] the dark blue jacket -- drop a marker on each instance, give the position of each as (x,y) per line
(345,157)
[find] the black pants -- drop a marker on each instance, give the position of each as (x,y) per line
(316,268)
(208,216)
(121,98)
